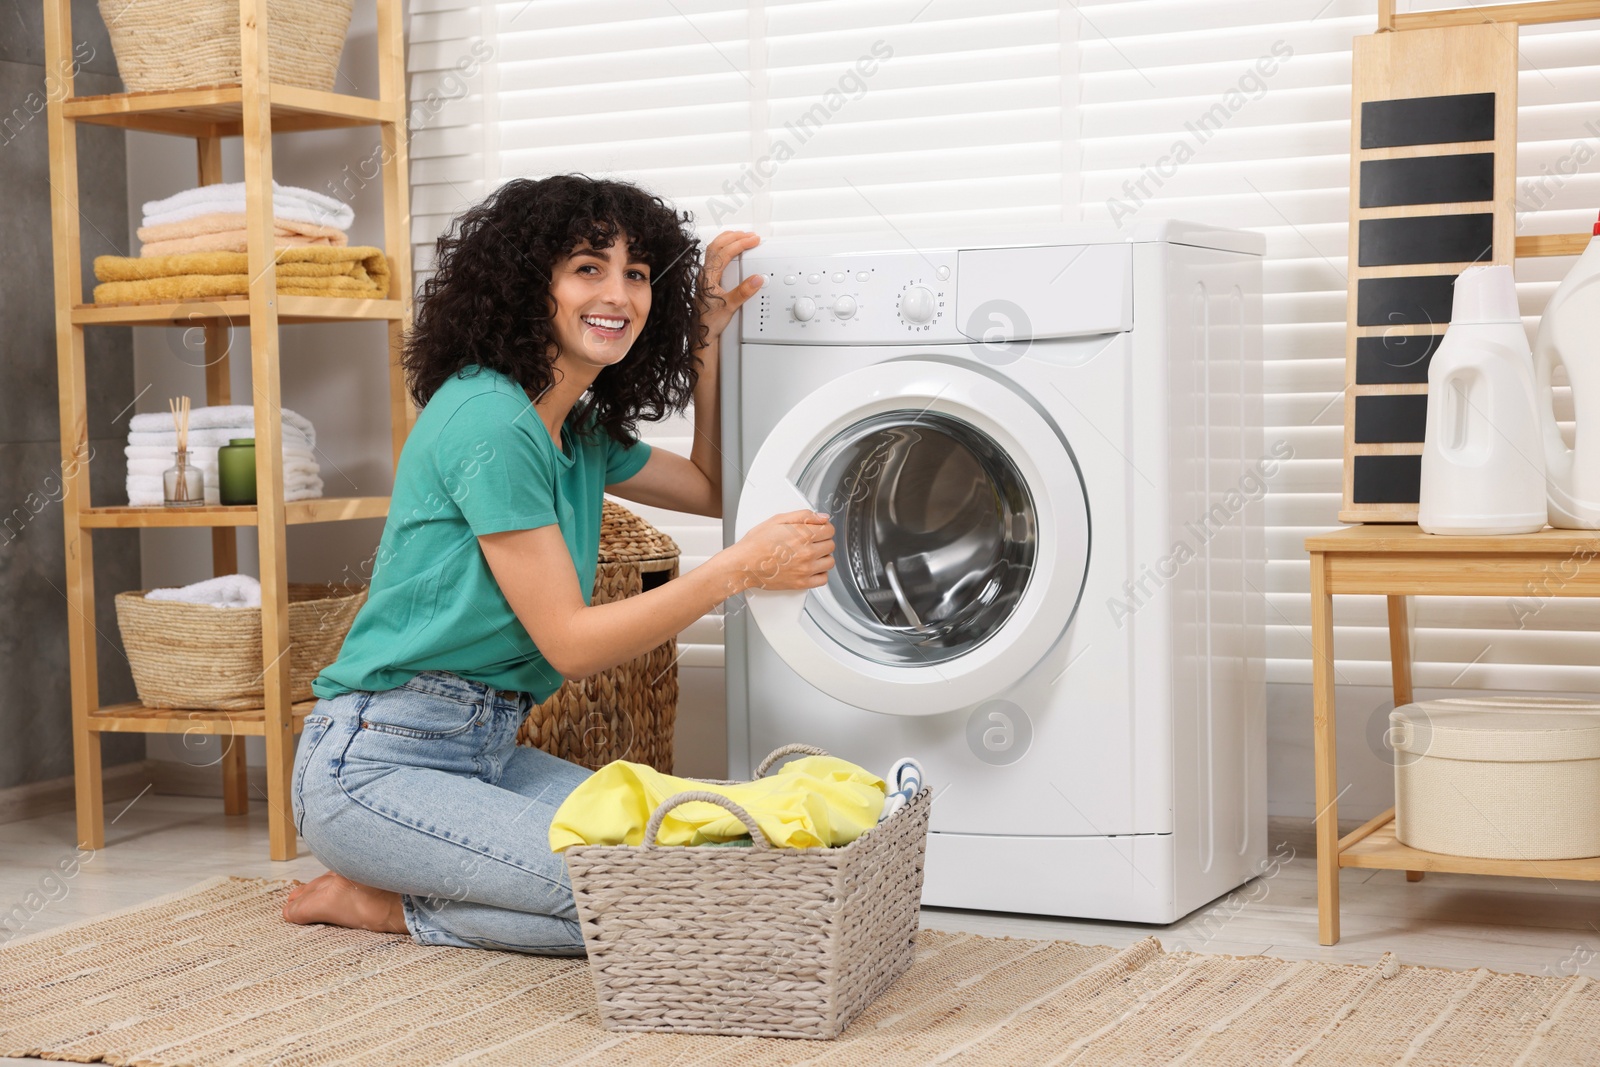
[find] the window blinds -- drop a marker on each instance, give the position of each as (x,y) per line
(779,117)
(850,114)
(1268,149)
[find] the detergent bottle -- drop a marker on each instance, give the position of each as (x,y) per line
(1482,463)
(1569,335)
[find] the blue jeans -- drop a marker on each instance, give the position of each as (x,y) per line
(424,791)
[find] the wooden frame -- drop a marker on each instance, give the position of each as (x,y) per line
(1436,54)
(1447,62)
(1528,14)
(1398,562)
(253,110)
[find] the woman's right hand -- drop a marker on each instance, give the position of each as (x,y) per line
(789,551)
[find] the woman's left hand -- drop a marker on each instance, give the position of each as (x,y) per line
(719,304)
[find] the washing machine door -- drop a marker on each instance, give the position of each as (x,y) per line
(962,536)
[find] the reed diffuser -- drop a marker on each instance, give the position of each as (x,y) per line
(183,484)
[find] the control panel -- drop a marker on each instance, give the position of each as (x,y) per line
(989,296)
(870,298)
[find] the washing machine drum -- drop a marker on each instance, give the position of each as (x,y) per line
(936,536)
(962,536)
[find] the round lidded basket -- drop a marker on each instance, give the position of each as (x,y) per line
(1514,778)
(626,712)
(181,44)
(197,656)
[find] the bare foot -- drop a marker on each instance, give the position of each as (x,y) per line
(332,898)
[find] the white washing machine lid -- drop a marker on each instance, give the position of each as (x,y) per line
(963,536)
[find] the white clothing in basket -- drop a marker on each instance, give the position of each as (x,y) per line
(226,591)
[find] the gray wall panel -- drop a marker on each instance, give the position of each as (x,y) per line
(35,682)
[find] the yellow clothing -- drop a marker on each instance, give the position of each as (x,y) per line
(817,801)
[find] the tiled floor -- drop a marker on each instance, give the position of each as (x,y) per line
(160,844)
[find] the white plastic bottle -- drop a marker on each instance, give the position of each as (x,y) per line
(1569,335)
(1482,461)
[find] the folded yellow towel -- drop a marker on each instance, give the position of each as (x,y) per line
(817,801)
(224,231)
(358,271)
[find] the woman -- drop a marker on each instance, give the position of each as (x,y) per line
(562,312)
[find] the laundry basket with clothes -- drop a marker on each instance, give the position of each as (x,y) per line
(792,936)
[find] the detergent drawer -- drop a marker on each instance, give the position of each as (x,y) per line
(1068,291)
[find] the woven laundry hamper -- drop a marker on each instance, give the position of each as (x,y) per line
(626,712)
(198,656)
(759,941)
(180,44)
(1498,778)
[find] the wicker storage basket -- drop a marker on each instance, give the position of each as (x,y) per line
(772,942)
(1499,779)
(197,656)
(179,44)
(626,712)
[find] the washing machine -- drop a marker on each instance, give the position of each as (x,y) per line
(1043,453)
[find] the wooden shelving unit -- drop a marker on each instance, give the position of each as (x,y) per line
(291,309)
(218,111)
(1465,58)
(295,513)
(1400,562)
(253,111)
(1375,846)
(138,719)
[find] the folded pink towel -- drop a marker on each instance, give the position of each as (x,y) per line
(225,221)
(229,241)
(224,231)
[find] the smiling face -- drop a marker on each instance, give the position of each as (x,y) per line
(601,298)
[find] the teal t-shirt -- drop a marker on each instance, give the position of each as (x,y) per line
(478,461)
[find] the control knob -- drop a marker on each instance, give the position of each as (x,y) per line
(917,304)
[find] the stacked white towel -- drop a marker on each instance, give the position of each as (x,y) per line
(221,417)
(226,591)
(288,202)
(152,441)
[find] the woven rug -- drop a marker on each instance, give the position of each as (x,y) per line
(213,975)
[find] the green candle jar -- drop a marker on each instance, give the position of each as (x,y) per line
(236,471)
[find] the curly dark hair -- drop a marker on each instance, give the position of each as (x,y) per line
(488,302)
